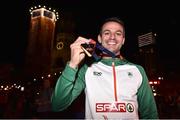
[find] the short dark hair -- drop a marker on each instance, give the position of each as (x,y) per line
(113,19)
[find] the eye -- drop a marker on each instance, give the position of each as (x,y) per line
(106,33)
(119,33)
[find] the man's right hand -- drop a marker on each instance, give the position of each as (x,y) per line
(77,53)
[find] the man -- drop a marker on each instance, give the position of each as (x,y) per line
(114,87)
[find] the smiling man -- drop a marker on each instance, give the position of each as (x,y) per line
(114,87)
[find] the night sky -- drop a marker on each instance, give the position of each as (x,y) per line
(139,17)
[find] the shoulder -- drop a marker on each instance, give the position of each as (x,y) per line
(138,66)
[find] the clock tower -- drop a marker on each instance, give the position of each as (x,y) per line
(38,59)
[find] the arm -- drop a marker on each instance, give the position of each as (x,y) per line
(146,101)
(68,88)
(71,82)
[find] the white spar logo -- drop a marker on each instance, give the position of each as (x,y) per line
(114,107)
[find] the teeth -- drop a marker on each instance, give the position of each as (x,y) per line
(111,43)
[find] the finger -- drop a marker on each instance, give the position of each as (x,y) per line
(81,40)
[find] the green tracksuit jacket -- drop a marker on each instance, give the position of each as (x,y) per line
(113,91)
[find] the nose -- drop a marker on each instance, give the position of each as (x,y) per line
(112,36)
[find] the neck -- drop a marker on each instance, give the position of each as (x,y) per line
(107,56)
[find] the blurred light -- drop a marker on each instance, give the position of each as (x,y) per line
(49,75)
(150,82)
(22,88)
(155,82)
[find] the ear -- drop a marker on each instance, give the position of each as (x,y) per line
(123,41)
(99,38)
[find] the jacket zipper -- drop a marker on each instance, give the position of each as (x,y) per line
(114,79)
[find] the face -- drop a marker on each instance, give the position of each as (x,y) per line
(112,37)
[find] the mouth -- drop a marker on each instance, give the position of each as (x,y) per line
(111,42)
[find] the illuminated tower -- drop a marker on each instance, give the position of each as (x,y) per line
(148,57)
(40,43)
(148,53)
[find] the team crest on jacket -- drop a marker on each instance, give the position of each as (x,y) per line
(130,74)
